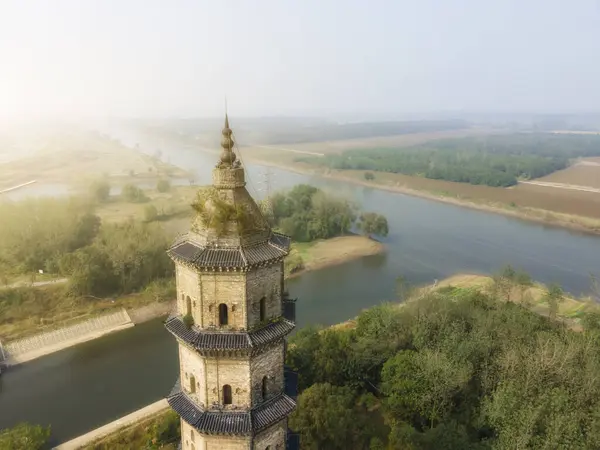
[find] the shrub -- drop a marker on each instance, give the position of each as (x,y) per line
(150,213)
(188,321)
(133,194)
(163,185)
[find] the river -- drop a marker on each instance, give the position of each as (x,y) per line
(78,389)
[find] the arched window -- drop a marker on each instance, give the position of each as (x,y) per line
(227,395)
(188,305)
(192,384)
(263,388)
(263,309)
(223,315)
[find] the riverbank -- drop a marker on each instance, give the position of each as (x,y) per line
(315,256)
(331,252)
(36,346)
(543,216)
(570,309)
(116,427)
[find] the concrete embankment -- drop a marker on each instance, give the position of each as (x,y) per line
(115,426)
(33,347)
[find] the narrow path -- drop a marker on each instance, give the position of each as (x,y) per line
(562,186)
(35,284)
(113,427)
(588,163)
(17,187)
(270,147)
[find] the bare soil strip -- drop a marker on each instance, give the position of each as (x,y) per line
(562,186)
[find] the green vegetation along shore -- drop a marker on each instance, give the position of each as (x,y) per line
(473,362)
(110,252)
(457,368)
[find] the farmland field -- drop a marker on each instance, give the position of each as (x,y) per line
(580,175)
(401,140)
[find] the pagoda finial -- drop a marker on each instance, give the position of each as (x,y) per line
(227,155)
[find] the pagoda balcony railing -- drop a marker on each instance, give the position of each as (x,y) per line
(289,307)
(293,441)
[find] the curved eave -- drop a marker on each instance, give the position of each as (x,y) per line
(216,341)
(226,422)
(215,259)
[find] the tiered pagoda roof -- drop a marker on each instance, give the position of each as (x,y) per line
(231,422)
(206,341)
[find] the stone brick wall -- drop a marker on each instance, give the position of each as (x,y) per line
(268,364)
(232,371)
(263,282)
(227,288)
(192,364)
(192,440)
(188,285)
(274,437)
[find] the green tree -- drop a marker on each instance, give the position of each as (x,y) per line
(373,224)
(100,190)
(24,437)
(163,185)
(505,281)
(133,194)
(329,417)
(90,272)
(554,296)
(524,282)
(423,384)
(150,213)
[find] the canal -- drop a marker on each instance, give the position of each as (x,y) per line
(86,386)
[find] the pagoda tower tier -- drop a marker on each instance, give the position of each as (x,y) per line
(231,321)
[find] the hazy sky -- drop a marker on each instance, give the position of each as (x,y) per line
(317,57)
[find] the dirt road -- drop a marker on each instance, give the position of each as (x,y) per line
(572,187)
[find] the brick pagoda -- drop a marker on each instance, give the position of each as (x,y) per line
(231,320)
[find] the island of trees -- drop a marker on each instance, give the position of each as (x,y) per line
(497,160)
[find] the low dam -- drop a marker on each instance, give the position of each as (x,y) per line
(23,350)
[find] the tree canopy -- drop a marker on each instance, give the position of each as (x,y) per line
(497,160)
(457,369)
(306,213)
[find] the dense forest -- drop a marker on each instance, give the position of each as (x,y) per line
(306,213)
(457,369)
(499,160)
(65,237)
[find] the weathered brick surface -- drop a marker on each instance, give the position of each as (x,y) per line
(188,285)
(227,288)
(232,371)
(192,365)
(263,282)
(269,365)
(274,437)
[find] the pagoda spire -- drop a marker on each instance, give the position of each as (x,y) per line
(228,157)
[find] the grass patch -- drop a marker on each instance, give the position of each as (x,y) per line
(26,310)
(161,431)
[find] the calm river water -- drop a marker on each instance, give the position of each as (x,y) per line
(86,386)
